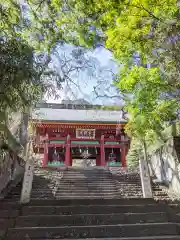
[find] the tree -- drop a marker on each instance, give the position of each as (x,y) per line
(20,77)
(20,83)
(127,28)
(150,29)
(26,75)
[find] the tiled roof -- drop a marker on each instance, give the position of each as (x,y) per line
(76,115)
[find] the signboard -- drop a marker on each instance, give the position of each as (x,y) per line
(28,175)
(27,182)
(85,133)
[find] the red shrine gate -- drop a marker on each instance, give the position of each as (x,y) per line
(61,143)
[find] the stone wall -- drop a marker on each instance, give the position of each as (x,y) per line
(14,138)
(5,170)
(165,166)
(11,168)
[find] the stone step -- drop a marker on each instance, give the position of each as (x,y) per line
(81,186)
(77,195)
(13,198)
(91,219)
(125,175)
(84,176)
(130,192)
(127,181)
(123,183)
(118,181)
(126,189)
(15,205)
(80,178)
(67,184)
(90,202)
(129,186)
(84,188)
(172,237)
(75,178)
(6,223)
(99,231)
(75,190)
(9,213)
(94,209)
(58,197)
(66,173)
(126,195)
(86,173)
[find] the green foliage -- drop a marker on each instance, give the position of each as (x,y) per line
(149,28)
(10,15)
(20,83)
(111,108)
(133,155)
(147,107)
(31,27)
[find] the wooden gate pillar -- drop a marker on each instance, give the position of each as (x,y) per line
(102,150)
(45,159)
(68,152)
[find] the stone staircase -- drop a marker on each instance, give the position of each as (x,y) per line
(75,204)
(128,183)
(115,219)
(73,183)
(9,210)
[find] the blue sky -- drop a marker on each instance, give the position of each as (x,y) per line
(86,82)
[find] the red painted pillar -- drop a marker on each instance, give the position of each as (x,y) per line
(123,155)
(102,150)
(68,152)
(45,159)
